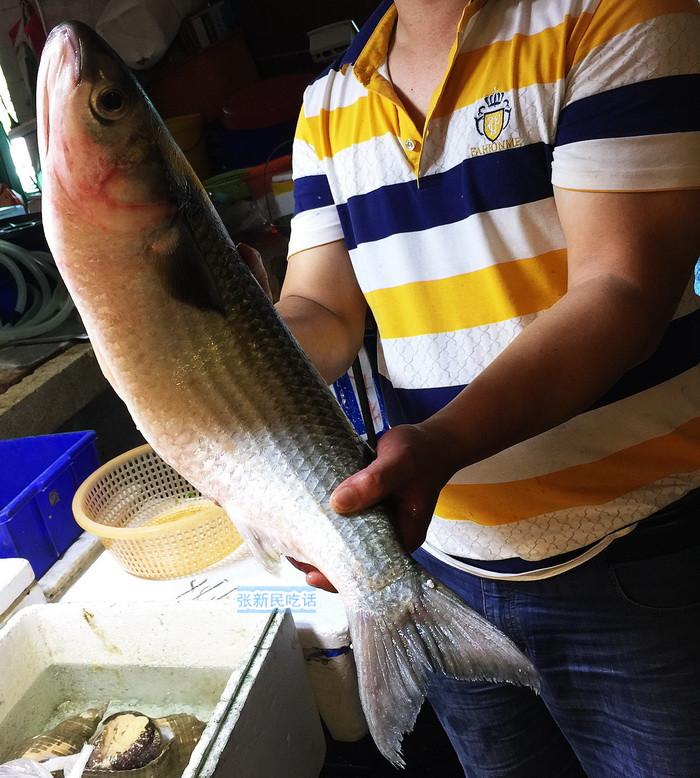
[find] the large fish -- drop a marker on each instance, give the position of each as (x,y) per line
(220,388)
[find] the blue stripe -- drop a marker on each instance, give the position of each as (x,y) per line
(498,180)
(370,342)
(678,352)
(418,404)
(347,399)
(311,192)
(661,105)
(515,564)
(394,411)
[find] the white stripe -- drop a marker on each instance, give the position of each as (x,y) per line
(560,531)
(644,162)
(314,228)
(500,20)
(448,358)
(334,90)
(532,120)
(664,46)
(531,575)
(379,161)
(475,243)
(456,358)
(364,167)
(305,162)
(592,436)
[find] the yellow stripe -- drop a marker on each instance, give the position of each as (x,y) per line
(591,484)
(547,56)
(332,131)
(505,65)
(522,61)
(485,296)
(613,17)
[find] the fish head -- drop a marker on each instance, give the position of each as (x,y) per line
(102,146)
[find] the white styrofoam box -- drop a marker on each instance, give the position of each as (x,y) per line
(161,659)
(18,589)
(74,561)
(16,576)
(322,628)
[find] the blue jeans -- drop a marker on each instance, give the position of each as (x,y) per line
(617,643)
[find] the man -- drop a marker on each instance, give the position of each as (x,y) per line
(510,187)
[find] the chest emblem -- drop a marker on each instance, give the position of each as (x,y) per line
(493,116)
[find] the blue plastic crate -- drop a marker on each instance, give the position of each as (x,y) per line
(38,478)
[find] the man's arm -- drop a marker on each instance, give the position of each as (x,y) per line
(630,256)
(323,306)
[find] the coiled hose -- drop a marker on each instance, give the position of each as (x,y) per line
(38,310)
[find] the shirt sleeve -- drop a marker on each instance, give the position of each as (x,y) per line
(316,219)
(631,114)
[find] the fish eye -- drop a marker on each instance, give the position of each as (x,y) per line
(110,103)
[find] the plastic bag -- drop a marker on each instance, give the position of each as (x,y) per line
(73,766)
(23,768)
(141,31)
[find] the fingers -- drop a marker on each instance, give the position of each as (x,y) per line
(314,577)
(411,522)
(255,264)
(403,476)
(368,487)
(317,579)
(376,482)
(300,565)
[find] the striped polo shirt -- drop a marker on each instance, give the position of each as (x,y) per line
(456,244)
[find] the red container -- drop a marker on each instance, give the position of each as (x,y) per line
(259,178)
(265,103)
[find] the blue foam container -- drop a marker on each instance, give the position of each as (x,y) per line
(38,479)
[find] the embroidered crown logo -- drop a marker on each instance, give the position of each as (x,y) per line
(493,116)
(494,99)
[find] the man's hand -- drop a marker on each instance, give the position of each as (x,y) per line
(411,468)
(255,264)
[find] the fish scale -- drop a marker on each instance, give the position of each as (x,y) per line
(220,388)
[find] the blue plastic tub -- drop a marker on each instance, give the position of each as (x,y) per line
(38,478)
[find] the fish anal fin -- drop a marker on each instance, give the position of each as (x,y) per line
(262,549)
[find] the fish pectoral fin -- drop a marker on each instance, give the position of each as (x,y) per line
(187,275)
(262,548)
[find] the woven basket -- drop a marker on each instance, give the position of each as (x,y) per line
(153,521)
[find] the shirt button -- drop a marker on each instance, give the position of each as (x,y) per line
(410,144)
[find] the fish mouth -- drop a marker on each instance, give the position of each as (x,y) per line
(62,58)
(69,34)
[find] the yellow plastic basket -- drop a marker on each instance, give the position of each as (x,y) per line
(153,521)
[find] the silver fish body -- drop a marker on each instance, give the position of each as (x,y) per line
(220,388)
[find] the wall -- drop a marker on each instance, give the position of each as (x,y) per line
(276,29)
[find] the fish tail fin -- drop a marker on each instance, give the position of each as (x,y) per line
(433,631)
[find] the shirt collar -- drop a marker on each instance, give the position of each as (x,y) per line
(369,49)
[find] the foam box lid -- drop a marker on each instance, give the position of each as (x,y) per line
(16,575)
